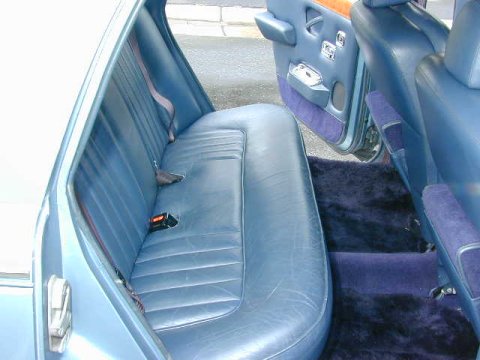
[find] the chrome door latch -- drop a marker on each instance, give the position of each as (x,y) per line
(59,313)
(328,50)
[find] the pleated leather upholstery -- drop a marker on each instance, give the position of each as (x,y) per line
(245,273)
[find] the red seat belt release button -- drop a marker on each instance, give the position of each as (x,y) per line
(162,221)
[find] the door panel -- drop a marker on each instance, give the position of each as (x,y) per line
(316,61)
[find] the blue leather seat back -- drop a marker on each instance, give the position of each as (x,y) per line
(393,40)
(449,90)
(165,72)
(115,181)
(394,36)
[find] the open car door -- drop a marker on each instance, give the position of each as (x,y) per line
(321,77)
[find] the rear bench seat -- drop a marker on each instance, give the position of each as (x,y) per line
(245,273)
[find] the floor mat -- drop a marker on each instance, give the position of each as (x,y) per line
(382,310)
(382,275)
(397,327)
(364,207)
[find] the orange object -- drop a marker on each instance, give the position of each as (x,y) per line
(341,7)
(157,218)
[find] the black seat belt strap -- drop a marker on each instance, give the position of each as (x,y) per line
(159,98)
(166,178)
(162,177)
(131,292)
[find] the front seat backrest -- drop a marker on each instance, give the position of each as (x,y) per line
(449,91)
(394,36)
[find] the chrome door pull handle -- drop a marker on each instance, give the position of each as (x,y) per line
(313,22)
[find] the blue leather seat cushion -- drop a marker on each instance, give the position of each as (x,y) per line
(245,273)
(195,271)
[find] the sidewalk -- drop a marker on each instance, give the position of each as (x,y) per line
(215,17)
(235,18)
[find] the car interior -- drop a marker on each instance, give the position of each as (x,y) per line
(233,244)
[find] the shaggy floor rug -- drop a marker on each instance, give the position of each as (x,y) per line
(382,310)
(381,274)
(384,327)
(364,207)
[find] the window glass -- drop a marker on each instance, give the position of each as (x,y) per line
(442,9)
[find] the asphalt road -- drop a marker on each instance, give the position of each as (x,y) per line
(238,71)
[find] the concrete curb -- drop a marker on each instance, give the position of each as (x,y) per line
(209,20)
(215,20)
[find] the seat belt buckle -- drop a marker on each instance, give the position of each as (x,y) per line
(162,221)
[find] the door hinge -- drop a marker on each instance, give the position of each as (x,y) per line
(59,313)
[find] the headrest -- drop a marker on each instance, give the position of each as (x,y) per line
(462,54)
(383,3)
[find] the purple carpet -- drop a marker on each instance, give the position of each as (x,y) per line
(397,327)
(365,207)
(317,119)
(382,308)
(401,273)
